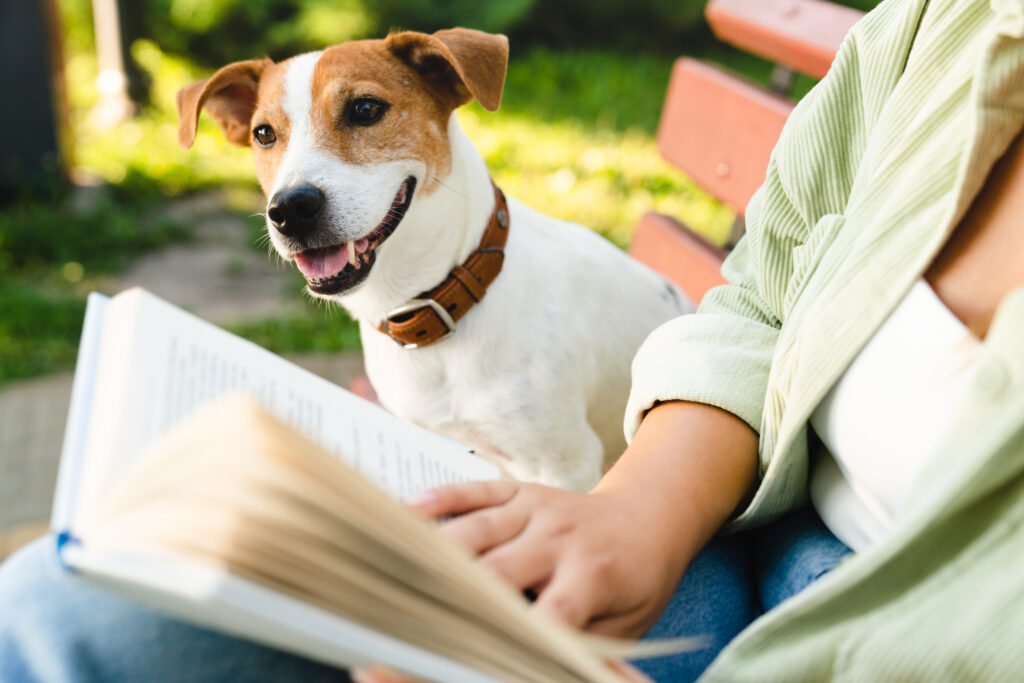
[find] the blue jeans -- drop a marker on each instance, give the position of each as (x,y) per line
(736,579)
(54,627)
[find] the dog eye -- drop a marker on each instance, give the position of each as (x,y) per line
(264,135)
(366,110)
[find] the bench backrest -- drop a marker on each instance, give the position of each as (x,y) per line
(720,129)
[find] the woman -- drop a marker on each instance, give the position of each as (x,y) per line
(863,249)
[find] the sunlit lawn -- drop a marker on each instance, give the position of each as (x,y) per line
(574,138)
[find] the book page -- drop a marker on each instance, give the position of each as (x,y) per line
(177,362)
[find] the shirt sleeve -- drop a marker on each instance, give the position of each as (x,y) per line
(722,355)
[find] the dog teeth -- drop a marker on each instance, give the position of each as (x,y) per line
(352,257)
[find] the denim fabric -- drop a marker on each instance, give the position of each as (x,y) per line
(54,627)
(734,580)
(716,599)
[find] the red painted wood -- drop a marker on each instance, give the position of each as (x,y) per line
(801,34)
(720,130)
(678,253)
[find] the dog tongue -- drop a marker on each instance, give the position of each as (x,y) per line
(320,263)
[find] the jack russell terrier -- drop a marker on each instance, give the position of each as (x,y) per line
(481,319)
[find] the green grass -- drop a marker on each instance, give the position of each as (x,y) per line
(322,327)
(317,331)
(38,331)
(47,231)
(575,139)
(51,255)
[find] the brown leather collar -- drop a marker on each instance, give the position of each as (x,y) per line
(432,315)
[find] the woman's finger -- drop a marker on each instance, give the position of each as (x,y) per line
(524,563)
(379,674)
(482,530)
(572,596)
(627,672)
(458,499)
(631,625)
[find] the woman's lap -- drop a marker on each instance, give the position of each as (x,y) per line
(56,627)
(715,599)
(734,580)
(791,554)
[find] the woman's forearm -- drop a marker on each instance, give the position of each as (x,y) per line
(693,464)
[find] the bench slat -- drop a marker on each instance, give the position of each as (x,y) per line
(720,130)
(801,34)
(678,253)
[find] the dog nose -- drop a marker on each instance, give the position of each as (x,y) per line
(293,212)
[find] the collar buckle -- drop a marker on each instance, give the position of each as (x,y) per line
(414,306)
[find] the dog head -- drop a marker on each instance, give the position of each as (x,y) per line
(346,140)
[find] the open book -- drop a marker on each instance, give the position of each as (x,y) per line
(214,480)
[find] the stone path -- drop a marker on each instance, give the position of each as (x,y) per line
(217,276)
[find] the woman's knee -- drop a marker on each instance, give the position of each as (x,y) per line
(30,581)
(31,621)
(56,627)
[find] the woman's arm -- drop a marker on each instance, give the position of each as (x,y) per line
(609,561)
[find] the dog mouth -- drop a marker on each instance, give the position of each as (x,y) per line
(342,266)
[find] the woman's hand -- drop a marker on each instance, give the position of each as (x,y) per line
(602,562)
(380,674)
(609,561)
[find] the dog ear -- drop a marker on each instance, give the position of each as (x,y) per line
(229,96)
(462,62)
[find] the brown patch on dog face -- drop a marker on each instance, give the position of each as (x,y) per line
(414,124)
(458,63)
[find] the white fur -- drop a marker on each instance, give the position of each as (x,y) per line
(537,374)
(355,200)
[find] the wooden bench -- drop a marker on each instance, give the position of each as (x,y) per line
(720,129)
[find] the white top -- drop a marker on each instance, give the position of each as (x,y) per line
(880,441)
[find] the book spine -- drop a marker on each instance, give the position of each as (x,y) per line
(73,451)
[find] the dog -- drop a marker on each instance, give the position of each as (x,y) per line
(481,319)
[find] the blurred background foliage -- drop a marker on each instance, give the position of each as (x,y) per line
(574,137)
(214,31)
